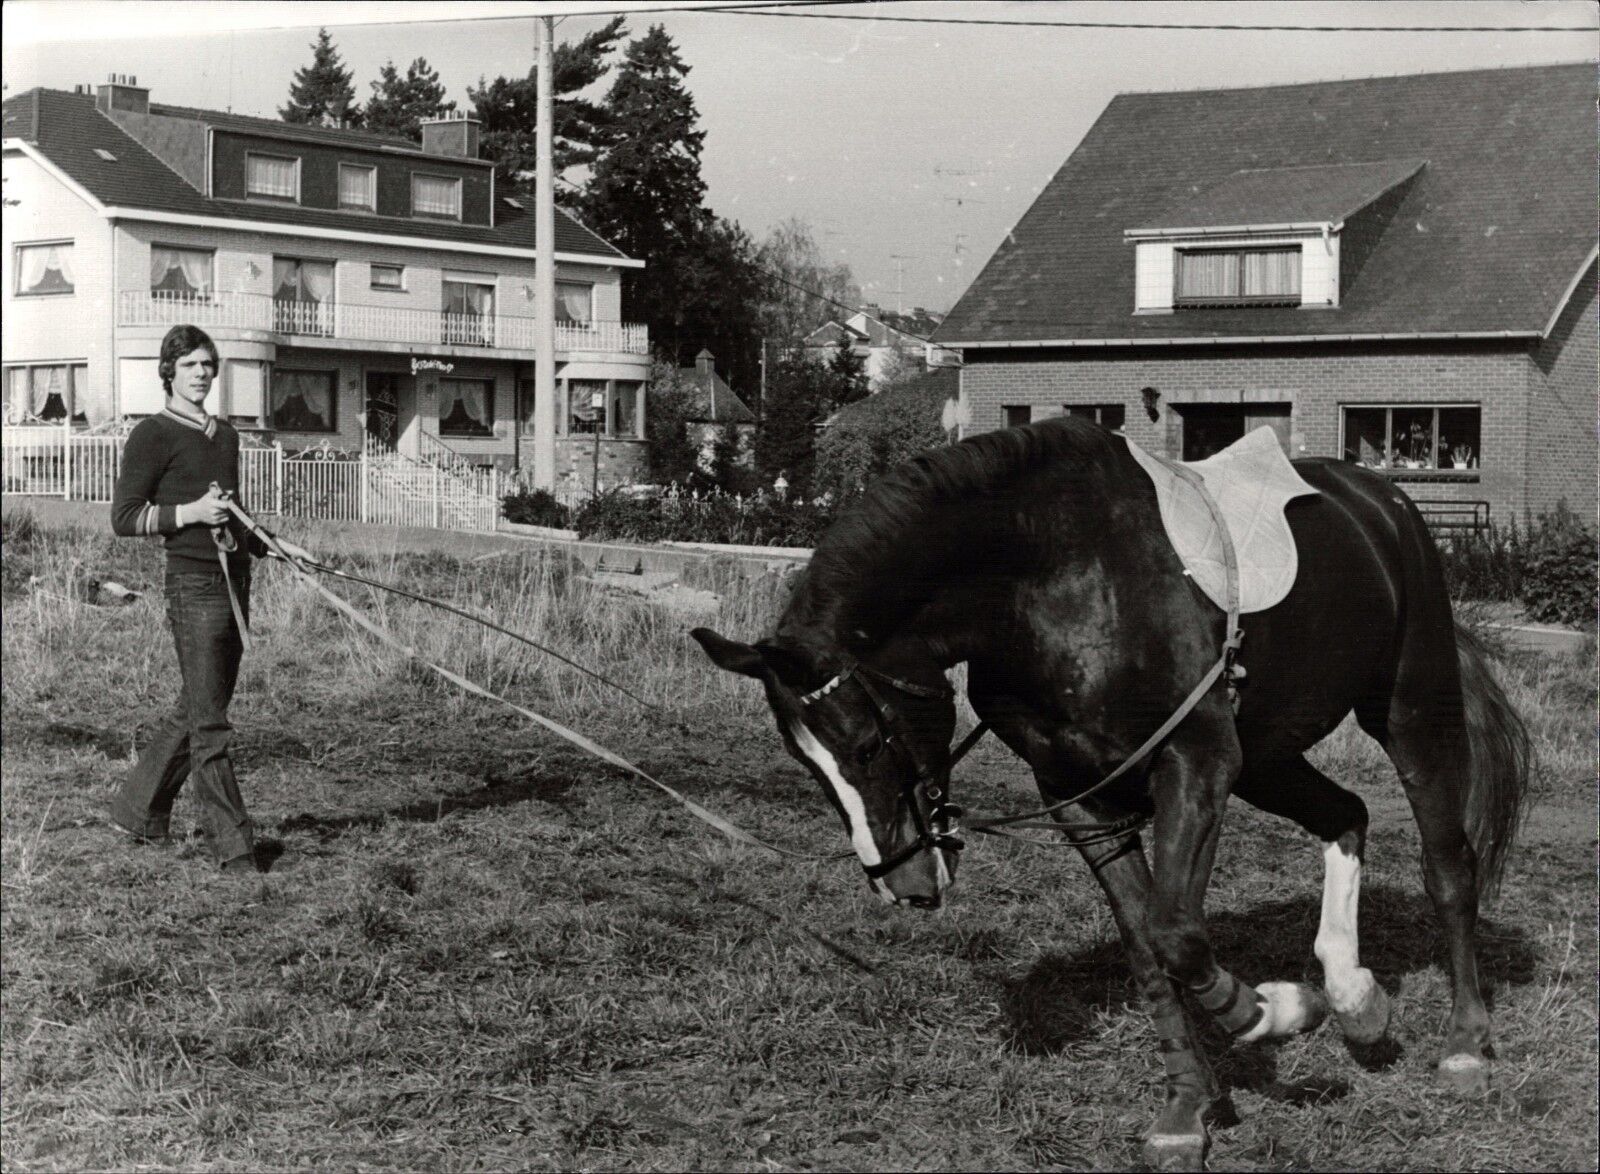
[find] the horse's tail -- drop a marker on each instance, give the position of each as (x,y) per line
(1499,761)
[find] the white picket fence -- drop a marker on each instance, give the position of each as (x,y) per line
(328,485)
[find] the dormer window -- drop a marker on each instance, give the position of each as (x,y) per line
(437,196)
(358,187)
(1237,277)
(272,177)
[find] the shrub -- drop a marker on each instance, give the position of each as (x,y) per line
(763,519)
(1484,565)
(534,507)
(868,438)
(1558,574)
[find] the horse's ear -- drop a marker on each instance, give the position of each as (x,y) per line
(730,654)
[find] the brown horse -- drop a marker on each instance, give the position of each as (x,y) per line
(1037,557)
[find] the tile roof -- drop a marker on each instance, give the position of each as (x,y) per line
(1487,238)
(715,402)
(1288,195)
(250,124)
(67,128)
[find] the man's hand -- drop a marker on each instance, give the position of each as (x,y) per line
(210,510)
(295,552)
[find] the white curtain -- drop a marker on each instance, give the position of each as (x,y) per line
(435,196)
(314,390)
(285,279)
(355,186)
(574,302)
(193,267)
(61,259)
(1208,275)
(625,399)
(472,394)
(1272,274)
(317,281)
(47,381)
(271,176)
(35,261)
(16,394)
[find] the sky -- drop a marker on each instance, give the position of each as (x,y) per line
(910,149)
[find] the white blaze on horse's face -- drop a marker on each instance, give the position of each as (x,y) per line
(855,811)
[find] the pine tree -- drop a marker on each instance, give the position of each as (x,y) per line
(847,375)
(796,403)
(322,93)
(509,109)
(400,105)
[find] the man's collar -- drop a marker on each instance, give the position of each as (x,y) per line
(208,425)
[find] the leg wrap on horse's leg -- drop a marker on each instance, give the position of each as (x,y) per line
(1236,1006)
(1184,1066)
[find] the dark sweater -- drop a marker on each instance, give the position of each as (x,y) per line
(170,461)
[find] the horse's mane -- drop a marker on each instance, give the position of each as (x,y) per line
(904,515)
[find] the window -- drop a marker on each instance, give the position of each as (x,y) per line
(272,177)
(1017,415)
(389,277)
(44,269)
(436,195)
(466,407)
(179,274)
(358,187)
(305,401)
(1413,437)
(586,399)
(1236,277)
(468,313)
(624,411)
(44,393)
(574,302)
(302,296)
(1109,416)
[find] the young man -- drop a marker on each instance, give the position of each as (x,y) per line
(177,468)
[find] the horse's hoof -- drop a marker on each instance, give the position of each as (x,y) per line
(1369,1022)
(1291,1007)
(1465,1075)
(1175,1151)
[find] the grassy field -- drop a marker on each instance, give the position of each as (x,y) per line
(481,950)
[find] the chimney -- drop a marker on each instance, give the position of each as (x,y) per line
(455,134)
(122,92)
(705,364)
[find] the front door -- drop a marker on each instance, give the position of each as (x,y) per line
(383,409)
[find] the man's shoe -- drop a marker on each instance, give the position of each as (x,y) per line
(155,837)
(243,865)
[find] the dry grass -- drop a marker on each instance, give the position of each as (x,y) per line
(480,950)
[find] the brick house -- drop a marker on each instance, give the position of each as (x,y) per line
(1399,271)
(363,290)
(717,412)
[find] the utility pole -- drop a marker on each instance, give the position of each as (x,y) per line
(544,272)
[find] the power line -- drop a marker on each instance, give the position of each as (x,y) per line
(741,10)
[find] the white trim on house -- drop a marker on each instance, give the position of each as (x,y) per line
(1572,288)
(1423,336)
(1316,226)
(345,234)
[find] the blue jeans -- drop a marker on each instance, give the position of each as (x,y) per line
(192,741)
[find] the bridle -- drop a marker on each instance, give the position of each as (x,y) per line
(939,828)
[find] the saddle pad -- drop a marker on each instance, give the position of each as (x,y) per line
(1251,481)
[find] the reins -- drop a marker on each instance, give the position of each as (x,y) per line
(938,830)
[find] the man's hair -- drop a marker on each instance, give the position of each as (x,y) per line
(180,340)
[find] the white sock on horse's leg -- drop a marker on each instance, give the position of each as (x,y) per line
(1356,997)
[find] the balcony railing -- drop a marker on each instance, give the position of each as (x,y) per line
(371,323)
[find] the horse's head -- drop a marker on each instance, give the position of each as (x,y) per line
(879,744)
